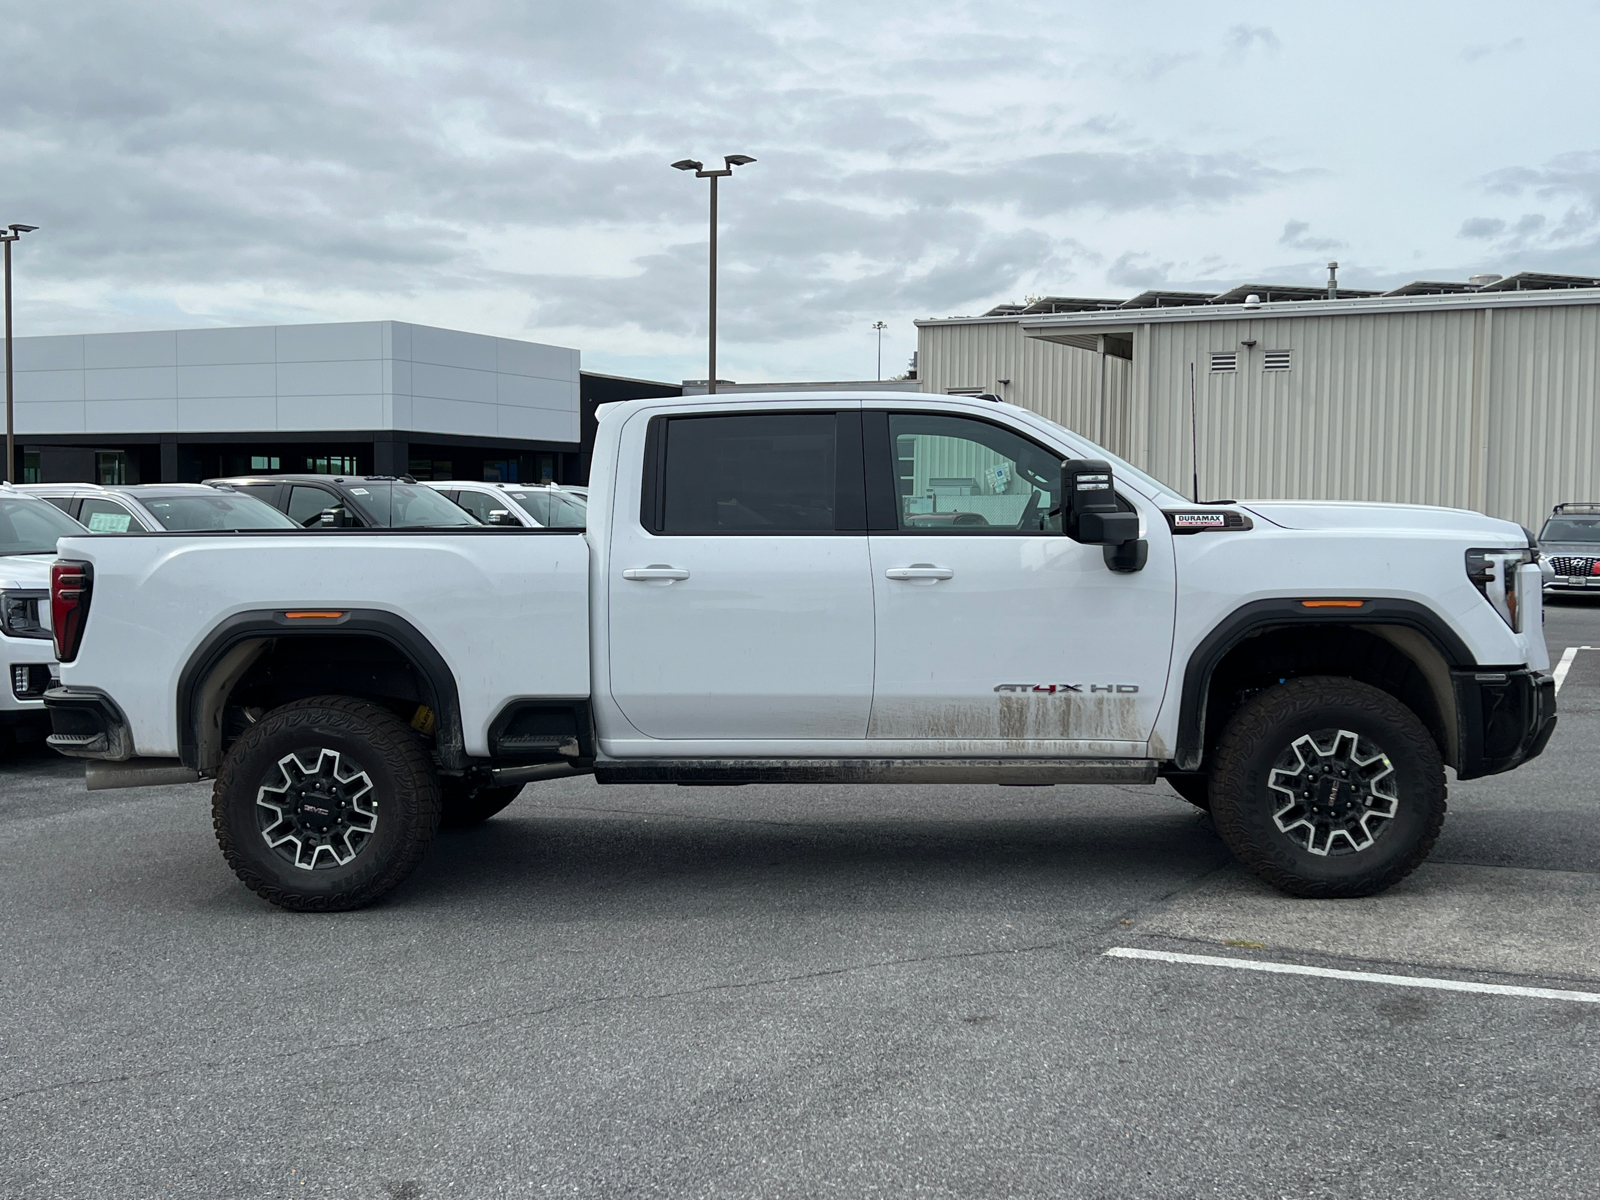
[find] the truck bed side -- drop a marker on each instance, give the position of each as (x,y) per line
(507,610)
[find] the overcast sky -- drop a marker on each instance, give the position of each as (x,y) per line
(503,167)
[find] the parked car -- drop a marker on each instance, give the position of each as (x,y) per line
(1570,543)
(158,507)
(761,608)
(541,507)
(352,501)
(29,531)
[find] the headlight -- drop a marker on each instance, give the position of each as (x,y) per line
(1494,573)
(22,613)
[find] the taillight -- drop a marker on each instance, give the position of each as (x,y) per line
(69,605)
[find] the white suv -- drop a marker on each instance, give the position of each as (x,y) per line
(543,506)
(29,529)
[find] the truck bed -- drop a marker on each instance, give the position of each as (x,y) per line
(507,609)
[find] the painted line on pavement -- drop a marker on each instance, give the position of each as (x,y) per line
(1273,968)
(1565,665)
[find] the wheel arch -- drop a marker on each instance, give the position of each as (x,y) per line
(1410,631)
(236,645)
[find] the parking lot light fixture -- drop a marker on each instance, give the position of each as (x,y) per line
(7,236)
(730,161)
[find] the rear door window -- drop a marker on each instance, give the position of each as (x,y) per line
(106,516)
(747,473)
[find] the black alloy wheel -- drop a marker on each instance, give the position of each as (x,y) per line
(325,804)
(1326,787)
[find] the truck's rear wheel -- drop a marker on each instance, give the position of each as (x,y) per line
(1326,787)
(467,803)
(325,804)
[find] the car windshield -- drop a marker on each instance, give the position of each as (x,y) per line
(32,526)
(224,510)
(1569,529)
(552,509)
(408,506)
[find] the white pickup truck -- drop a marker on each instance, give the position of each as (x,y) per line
(816,589)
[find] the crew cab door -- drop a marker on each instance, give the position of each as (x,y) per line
(739,587)
(993,626)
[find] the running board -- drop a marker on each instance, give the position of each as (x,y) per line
(1042,771)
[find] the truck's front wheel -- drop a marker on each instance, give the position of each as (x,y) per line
(325,804)
(1326,787)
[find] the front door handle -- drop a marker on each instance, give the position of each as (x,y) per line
(920,571)
(655,572)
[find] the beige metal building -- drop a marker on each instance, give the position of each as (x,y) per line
(1478,395)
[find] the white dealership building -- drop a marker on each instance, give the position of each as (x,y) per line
(383,397)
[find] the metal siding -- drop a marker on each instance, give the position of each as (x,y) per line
(1542,379)
(1059,382)
(1488,408)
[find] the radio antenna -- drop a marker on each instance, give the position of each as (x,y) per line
(1194,436)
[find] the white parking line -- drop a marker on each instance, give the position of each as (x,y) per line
(1565,665)
(1272,968)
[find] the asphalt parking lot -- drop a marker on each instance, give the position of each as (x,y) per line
(702,992)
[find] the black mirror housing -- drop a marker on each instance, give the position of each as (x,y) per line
(1089,505)
(1090,514)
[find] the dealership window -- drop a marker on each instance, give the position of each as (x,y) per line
(430,468)
(265,462)
(110,467)
(500,470)
(332,464)
(30,467)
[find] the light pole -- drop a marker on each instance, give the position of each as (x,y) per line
(688,164)
(880,327)
(8,236)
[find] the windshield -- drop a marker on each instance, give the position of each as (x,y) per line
(224,510)
(408,506)
(1124,469)
(552,509)
(1569,529)
(32,526)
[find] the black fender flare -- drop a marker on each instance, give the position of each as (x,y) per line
(438,682)
(1260,615)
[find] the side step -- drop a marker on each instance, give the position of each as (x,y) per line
(876,770)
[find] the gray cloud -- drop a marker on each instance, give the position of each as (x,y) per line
(1296,235)
(1242,38)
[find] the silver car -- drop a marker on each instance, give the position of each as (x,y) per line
(158,507)
(1570,544)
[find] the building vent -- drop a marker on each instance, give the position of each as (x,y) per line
(1224,360)
(1275,360)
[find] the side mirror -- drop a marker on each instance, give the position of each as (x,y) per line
(502,516)
(335,517)
(1090,514)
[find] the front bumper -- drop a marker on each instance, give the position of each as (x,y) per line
(30,670)
(1503,719)
(85,723)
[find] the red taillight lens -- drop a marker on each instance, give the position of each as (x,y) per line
(69,605)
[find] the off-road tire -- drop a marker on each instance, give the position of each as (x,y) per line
(467,804)
(405,794)
(1193,787)
(1242,804)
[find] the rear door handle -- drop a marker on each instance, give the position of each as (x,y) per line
(920,571)
(655,571)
